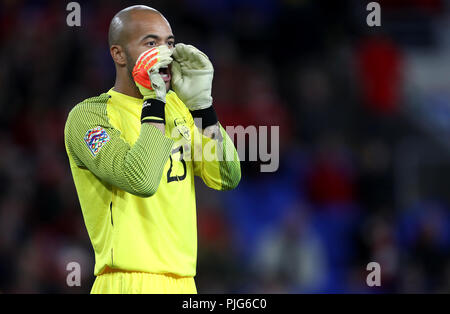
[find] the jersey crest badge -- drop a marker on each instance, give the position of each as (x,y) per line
(180,124)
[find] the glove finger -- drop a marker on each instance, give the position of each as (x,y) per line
(163,49)
(149,58)
(146,59)
(197,59)
(164,52)
(191,50)
(164,62)
(145,54)
(164,56)
(149,61)
(142,61)
(158,85)
(156,79)
(176,71)
(177,50)
(179,53)
(186,51)
(192,57)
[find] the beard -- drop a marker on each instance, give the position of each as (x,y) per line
(130,64)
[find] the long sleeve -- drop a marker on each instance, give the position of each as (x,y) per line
(219,164)
(95,144)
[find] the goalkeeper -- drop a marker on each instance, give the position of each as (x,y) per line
(134,152)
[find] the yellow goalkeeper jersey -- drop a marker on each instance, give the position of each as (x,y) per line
(136,185)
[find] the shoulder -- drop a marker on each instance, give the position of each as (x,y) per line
(88,109)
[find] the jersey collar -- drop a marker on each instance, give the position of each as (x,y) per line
(124,98)
(133,100)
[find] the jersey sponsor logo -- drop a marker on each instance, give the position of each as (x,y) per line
(95,139)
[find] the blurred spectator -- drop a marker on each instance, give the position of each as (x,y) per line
(380,65)
(375,182)
(291,256)
(331,178)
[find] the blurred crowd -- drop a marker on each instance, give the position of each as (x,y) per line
(348,191)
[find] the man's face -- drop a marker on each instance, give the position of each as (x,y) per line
(148,30)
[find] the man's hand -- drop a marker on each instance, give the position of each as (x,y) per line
(146,72)
(151,85)
(192,75)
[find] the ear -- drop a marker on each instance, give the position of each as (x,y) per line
(118,55)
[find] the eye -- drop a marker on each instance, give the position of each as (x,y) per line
(151,43)
(170,43)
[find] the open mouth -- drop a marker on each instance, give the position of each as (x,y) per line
(165,74)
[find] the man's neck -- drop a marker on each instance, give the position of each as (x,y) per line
(125,87)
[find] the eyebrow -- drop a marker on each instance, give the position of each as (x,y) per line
(156,37)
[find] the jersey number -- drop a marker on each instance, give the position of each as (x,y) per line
(171,178)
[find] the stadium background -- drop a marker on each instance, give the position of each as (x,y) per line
(364,116)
